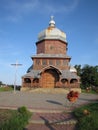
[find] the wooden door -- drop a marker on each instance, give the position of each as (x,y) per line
(48,79)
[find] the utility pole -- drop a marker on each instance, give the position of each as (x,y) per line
(16,67)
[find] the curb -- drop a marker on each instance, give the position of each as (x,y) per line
(58,122)
(38,110)
(49,111)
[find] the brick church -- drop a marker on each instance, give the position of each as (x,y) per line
(51,68)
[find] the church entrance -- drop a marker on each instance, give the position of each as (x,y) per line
(49,78)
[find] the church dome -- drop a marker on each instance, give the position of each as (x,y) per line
(52,32)
(73,69)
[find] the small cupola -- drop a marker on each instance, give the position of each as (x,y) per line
(52,22)
(51,32)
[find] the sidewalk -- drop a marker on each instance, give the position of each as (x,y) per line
(50,111)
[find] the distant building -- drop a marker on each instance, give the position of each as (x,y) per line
(51,67)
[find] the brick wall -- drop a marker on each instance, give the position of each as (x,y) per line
(39,64)
(51,47)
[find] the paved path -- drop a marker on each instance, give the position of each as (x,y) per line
(50,111)
(41,101)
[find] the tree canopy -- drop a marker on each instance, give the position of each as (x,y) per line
(1,83)
(88,75)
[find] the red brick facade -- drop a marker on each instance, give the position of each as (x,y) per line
(51,47)
(51,67)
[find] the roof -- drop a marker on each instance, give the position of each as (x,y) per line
(52,32)
(50,56)
(73,69)
(64,74)
(32,74)
(67,74)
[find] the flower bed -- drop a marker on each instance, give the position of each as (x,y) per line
(72,96)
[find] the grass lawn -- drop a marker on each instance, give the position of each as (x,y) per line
(91,91)
(87,117)
(2,89)
(14,119)
(5,115)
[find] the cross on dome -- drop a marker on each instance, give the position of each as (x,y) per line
(52,32)
(52,22)
(52,17)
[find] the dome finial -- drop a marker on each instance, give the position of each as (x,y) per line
(51,17)
(52,22)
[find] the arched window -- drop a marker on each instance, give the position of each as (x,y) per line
(27,80)
(73,81)
(64,81)
(35,80)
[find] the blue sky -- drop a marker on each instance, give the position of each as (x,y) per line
(22,20)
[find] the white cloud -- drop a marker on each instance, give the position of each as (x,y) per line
(17,9)
(62,7)
(13,10)
(23,7)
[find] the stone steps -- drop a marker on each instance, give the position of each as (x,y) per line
(52,119)
(50,127)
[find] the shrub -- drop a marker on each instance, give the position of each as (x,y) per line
(22,109)
(17,121)
(89,122)
(87,117)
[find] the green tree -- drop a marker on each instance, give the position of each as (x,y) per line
(79,69)
(1,83)
(89,76)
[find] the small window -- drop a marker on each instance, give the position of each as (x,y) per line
(64,62)
(58,62)
(44,62)
(37,62)
(50,62)
(51,47)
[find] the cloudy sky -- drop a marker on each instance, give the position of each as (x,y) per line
(22,20)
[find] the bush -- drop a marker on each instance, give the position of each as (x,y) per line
(17,121)
(22,110)
(87,117)
(89,122)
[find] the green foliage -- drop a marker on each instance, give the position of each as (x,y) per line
(88,75)
(91,91)
(1,83)
(5,115)
(17,120)
(87,121)
(79,69)
(22,109)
